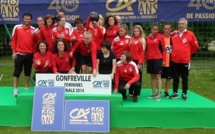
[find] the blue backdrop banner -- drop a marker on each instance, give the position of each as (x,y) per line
(87,116)
(11,11)
(48,109)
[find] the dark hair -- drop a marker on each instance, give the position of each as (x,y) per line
(78,20)
(106,44)
(48,16)
(124,26)
(168,23)
(27,14)
(127,55)
(38,45)
(66,48)
(155,24)
(58,18)
(107,18)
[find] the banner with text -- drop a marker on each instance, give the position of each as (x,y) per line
(48,109)
(77,83)
(11,11)
(87,116)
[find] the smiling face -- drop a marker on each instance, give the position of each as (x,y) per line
(60,46)
(27,20)
(122,31)
(136,32)
(42,48)
(40,22)
(123,58)
(111,21)
(154,30)
(49,21)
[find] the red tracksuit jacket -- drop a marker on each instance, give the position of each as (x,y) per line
(43,59)
(183,46)
(89,50)
(136,49)
(111,33)
(126,72)
(120,44)
(155,47)
(62,64)
(79,34)
(97,32)
(46,33)
(23,39)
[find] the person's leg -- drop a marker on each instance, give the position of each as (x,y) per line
(167,85)
(136,87)
(122,90)
(27,69)
(18,65)
(184,76)
(153,85)
(78,62)
(176,76)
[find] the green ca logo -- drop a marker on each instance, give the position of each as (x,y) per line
(67,5)
(207,4)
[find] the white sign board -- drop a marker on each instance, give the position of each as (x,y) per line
(77,83)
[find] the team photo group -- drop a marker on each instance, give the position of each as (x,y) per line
(104,45)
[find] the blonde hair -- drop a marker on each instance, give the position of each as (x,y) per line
(142,35)
(101,20)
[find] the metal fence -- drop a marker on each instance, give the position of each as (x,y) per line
(204,31)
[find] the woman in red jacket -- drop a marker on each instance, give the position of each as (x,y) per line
(136,48)
(112,28)
(127,77)
(46,31)
(61,60)
(121,42)
(42,59)
(155,56)
(37,32)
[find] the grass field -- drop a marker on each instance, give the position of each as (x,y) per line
(201,81)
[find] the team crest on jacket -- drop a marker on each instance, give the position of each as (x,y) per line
(67,32)
(127,41)
(136,42)
(184,40)
(130,69)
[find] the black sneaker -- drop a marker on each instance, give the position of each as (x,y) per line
(174,96)
(166,94)
(135,99)
(184,96)
(124,97)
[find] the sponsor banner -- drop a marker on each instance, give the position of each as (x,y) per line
(87,116)
(77,83)
(11,11)
(48,109)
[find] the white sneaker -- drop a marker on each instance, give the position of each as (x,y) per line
(15,92)
(25,89)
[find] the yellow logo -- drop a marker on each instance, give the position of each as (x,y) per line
(122,4)
(9,10)
(207,4)
(147,7)
(67,5)
(125,8)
